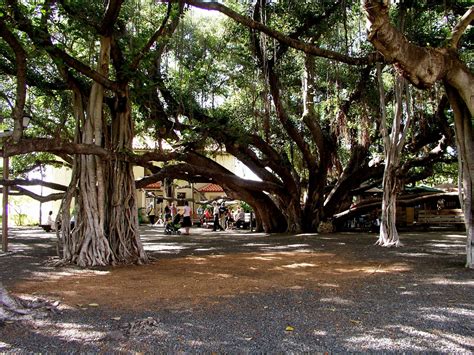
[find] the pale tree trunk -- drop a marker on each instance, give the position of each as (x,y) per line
(393,145)
(465,145)
(93,248)
(423,67)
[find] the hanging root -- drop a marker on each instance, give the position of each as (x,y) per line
(388,243)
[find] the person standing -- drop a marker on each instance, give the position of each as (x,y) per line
(51,221)
(216,218)
(168,217)
(151,212)
(174,211)
(239,218)
(222,216)
(186,218)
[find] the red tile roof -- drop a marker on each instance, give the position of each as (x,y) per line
(153,186)
(211,188)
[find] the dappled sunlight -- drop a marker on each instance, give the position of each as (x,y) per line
(224,276)
(58,275)
(407,337)
(444,245)
(197,259)
(444,281)
(456,236)
(204,249)
(337,300)
(456,311)
(376,342)
(255,245)
(299,265)
(386,269)
(408,293)
(332,278)
(437,318)
(66,331)
(441,337)
(414,255)
(320,333)
(265,258)
(285,248)
(330,285)
(307,235)
(164,247)
(4,346)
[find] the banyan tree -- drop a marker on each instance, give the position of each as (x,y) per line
(289,89)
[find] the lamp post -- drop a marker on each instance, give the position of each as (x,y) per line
(6,168)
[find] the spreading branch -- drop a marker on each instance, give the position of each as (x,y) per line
(291,42)
(33,182)
(43,39)
(461,27)
(20,58)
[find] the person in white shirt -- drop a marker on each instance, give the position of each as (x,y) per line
(51,221)
(239,218)
(186,218)
(216,217)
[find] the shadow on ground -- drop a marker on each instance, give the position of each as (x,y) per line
(248,292)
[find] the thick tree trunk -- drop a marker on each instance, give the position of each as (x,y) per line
(393,145)
(106,227)
(269,217)
(465,145)
(90,244)
(388,231)
(122,216)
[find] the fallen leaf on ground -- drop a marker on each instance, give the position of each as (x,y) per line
(289,328)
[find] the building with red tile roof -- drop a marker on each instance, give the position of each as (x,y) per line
(211,188)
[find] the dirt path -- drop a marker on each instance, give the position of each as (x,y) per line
(241,291)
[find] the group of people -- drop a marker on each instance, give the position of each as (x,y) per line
(169,214)
(224,218)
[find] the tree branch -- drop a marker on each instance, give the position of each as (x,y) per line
(113,10)
(20,57)
(43,39)
(459,29)
(161,31)
(42,199)
(54,146)
(33,182)
(294,43)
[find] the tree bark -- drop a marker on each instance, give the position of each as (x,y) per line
(425,66)
(393,145)
(465,145)
(122,215)
(106,226)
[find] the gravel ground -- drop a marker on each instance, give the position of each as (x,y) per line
(362,298)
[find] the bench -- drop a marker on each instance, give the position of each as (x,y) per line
(445,217)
